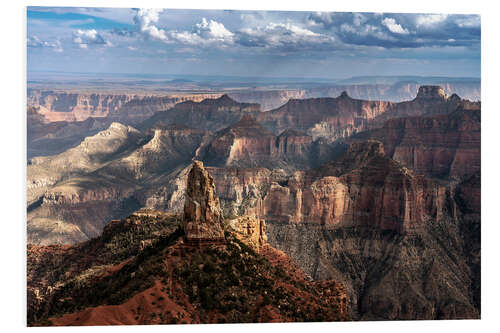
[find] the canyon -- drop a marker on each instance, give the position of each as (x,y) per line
(192,269)
(382,197)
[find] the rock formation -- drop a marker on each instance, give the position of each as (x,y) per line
(362,188)
(139,271)
(324,117)
(203,220)
(71,106)
(442,146)
(209,114)
(250,229)
(244,143)
(393,92)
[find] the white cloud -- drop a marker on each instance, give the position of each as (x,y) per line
(393,26)
(207,32)
(145,19)
(186,37)
(203,33)
(213,30)
(84,38)
(131,48)
(430,19)
(281,35)
(36,42)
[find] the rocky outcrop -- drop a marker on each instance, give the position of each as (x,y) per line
(249,229)
(443,146)
(363,188)
(248,144)
(332,118)
(209,114)
(431,92)
(168,147)
(430,101)
(245,142)
(203,220)
(141,108)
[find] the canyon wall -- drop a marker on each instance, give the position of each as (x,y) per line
(126,108)
(398,92)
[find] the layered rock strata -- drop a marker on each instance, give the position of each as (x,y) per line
(442,146)
(203,220)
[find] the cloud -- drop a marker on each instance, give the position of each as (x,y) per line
(84,38)
(146,19)
(35,42)
(204,33)
(399,30)
(207,32)
(213,30)
(430,20)
(282,35)
(394,27)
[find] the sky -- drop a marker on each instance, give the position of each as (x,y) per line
(330,45)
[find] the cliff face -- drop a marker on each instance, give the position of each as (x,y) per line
(202,213)
(397,92)
(388,275)
(245,141)
(66,106)
(430,100)
(127,108)
(248,144)
(209,114)
(444,146)
(363,188)
(342,117)
(323,117)
(369,222)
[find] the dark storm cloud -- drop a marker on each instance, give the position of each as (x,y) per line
(401,30)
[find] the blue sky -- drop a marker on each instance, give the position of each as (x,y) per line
(252,43)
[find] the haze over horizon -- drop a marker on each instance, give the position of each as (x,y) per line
(272,44)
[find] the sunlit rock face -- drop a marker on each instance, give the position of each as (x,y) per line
(202,212)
